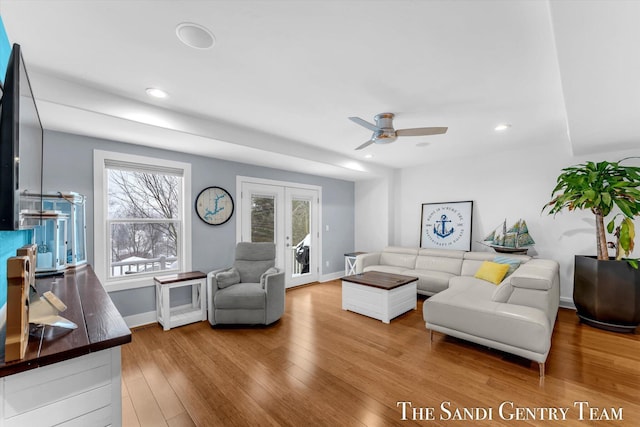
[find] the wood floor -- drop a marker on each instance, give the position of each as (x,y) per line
(322,366)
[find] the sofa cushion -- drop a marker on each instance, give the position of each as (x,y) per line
(404,260)
(241,296)
(430,281)
(385,269)
(492,272)
(443,253)
(437,263)
(503,292)
(469,267)
(469,281)
(401,250)
(469,308)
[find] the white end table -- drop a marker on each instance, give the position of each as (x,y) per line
(170,317)
(350,263)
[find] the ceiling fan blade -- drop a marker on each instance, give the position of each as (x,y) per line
(366,144)
(364,123)
(421,131)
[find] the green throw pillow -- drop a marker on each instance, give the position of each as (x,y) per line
(513,263)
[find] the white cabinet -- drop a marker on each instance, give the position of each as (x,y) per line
(84,391)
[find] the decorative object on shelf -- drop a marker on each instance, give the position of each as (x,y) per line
(68,205)
(515,239)
(51,238)
(45,311)
(17,329)
(214,205)
(605,291)
(73,205)
(446,225)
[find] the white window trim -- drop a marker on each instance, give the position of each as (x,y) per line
(100,243)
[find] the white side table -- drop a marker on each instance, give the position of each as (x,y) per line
(350,263)
(170,317)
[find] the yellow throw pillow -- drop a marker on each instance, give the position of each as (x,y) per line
(492,272)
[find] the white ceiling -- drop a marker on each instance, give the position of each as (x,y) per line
(284,76)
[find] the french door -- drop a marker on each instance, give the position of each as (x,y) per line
(288,215)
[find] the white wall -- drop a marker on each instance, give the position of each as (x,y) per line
(212,247)
(374,214)
(502,185)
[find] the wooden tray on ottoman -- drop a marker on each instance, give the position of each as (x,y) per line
(380,295)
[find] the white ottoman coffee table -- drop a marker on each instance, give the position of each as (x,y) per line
(379,295)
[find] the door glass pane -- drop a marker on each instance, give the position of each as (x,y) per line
(263,216)
(301,239)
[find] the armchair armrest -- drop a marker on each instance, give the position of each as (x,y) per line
(366,260)
(275,290)
(212,288)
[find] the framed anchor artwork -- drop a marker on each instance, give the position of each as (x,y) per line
(446,225)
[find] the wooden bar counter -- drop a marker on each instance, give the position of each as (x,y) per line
(69,374)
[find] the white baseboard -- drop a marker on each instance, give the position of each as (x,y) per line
(566,302)
(140,319)
(331,276)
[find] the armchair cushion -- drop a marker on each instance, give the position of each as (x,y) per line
(241,296)
(250,271)
(253,259)
(228,277)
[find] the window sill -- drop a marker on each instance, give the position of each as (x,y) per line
(126,284)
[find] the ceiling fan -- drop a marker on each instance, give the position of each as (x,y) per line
(383,131)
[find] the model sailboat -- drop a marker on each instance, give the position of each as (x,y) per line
(513,239)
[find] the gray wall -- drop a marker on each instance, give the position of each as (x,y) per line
(68,166)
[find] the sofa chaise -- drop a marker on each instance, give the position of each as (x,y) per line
(515,315)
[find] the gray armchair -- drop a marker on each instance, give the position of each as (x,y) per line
(250,292)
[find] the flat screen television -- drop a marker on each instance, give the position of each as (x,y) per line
(21,147)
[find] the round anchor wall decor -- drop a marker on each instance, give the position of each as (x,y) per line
(214,205)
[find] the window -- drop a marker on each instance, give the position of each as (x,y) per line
(140,222)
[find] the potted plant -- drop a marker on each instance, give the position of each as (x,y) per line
(606,290)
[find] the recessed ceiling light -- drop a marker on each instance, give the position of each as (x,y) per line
(368,156)
(195,36)
(156,93)
(501,127)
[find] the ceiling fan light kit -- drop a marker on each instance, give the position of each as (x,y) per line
(384,133)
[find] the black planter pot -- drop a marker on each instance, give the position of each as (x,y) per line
(607,293)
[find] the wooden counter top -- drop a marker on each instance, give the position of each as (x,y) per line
(100,325)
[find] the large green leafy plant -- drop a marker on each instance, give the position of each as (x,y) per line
(599,187)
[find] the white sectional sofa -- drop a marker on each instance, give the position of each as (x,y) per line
(516,316)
